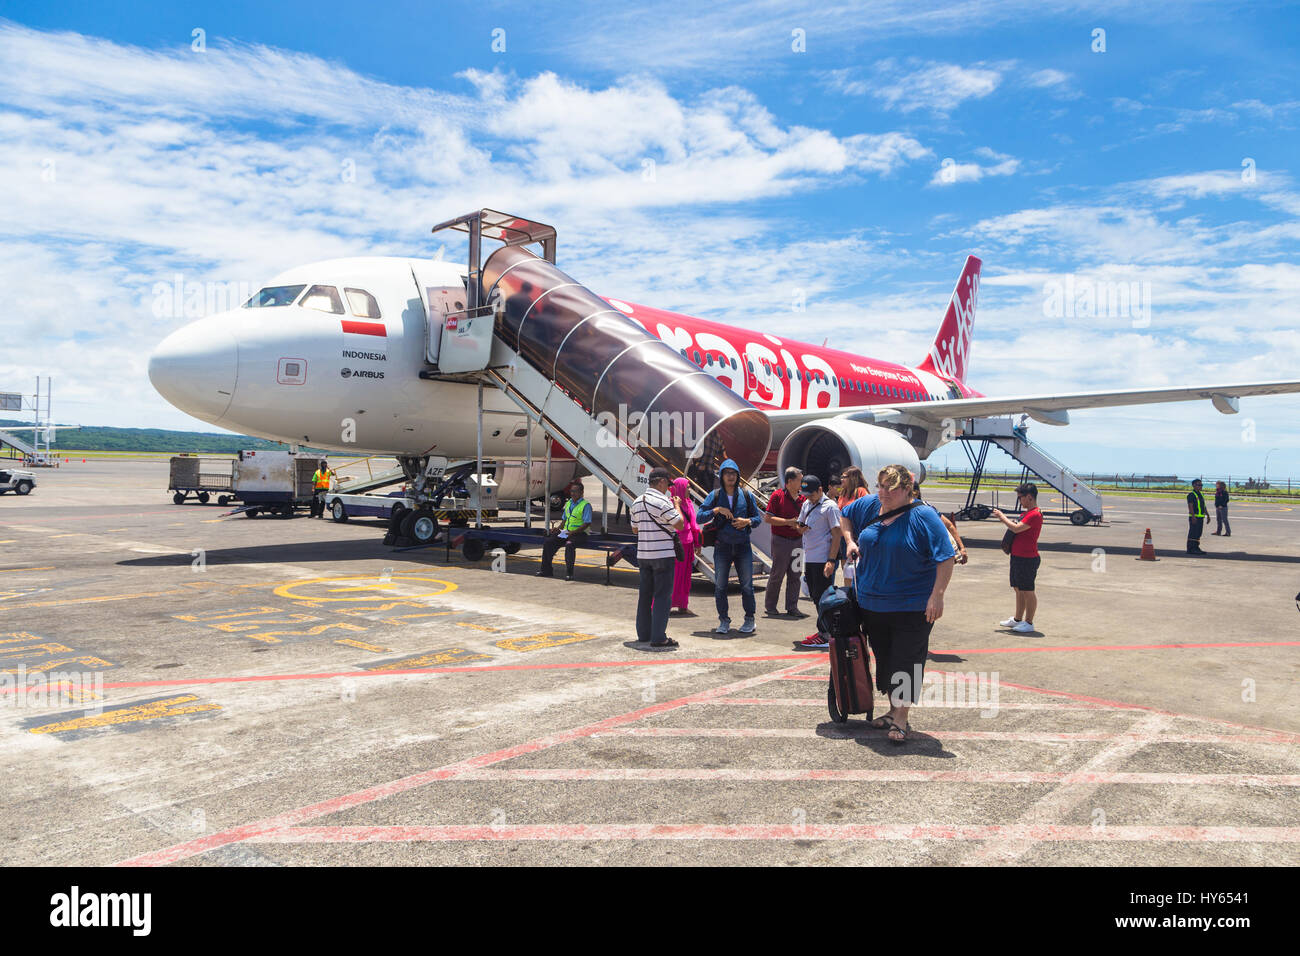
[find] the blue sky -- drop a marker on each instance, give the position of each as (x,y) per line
(859,170)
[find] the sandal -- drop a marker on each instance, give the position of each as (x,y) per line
(883,722)
(900,731)
(668,645)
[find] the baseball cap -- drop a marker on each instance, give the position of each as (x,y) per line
(811,483)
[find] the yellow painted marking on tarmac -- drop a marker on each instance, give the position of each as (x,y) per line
(401,618)
(14,637)
(70,534)
(363,645)
(47,666)
(202,617)
(111,530)
(26,649)
(289,591)
(363,609)
(273,637)
(381,586)
(234,627)
(455,655)
(210,520)
(12,570)
(580,564)
(95,600)
(9,541)
(171,707)
(542,641)
(478,627)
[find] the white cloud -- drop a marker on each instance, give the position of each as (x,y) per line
(910,85)
(131,166)
(951,172)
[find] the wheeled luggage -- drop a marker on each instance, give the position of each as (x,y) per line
(850,690)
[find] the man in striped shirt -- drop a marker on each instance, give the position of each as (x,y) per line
(654,518)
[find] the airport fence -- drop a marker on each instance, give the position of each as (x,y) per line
(1238,486)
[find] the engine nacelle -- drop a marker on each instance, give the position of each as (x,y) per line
(511,485)
(826,447)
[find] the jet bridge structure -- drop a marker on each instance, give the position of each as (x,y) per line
(612,395)
(980,434)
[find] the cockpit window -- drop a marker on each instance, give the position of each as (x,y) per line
(324,298)
(273,296)
(362,303)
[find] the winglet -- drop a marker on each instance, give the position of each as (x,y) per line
(950,354)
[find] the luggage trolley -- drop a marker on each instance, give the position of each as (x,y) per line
(201,477)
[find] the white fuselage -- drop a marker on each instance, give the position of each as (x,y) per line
(341,370)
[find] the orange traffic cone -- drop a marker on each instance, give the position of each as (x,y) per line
(1148,550)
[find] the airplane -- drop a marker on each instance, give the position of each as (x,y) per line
(349,340)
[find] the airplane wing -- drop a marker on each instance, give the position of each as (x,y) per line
(1048,409)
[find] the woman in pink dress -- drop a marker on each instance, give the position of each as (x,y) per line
(690,535)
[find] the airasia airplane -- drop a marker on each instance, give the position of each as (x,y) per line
(346,340)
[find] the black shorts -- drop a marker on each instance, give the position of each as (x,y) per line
(1023,572)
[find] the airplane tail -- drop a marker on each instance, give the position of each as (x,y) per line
(950,354)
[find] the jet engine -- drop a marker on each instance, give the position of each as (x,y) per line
(826,447)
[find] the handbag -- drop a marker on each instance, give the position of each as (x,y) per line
(1007,538)
(679,552)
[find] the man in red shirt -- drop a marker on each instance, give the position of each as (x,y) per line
(783,515)
(1024,557)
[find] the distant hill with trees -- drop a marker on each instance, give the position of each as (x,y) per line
(105,438)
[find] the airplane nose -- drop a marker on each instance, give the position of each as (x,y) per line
(196,367)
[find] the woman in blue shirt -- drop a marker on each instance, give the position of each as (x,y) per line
(904,563)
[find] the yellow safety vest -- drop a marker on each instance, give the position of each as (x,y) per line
(573,515)
(321,480)
(1198,502)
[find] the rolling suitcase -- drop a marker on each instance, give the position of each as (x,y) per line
(850,690)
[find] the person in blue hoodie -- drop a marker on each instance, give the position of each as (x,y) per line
(734,513)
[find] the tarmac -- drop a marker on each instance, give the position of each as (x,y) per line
(270,692)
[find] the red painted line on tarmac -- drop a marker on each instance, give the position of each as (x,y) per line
(657,661)
(759,831)
(185,682)
(807,733)
(890,776)
(182,851)
(1110,647)
(821,702)
(1151,710)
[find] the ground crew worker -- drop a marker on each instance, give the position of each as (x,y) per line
(1195,517)
(570,531)
(320,482)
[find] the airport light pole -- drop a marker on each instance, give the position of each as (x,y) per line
(1266,454)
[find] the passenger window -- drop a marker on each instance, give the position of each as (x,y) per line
(708,360)
(323,298)
(733,364)
(363,304)
(750,363)
(698,360)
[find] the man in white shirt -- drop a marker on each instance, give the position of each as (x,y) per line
(654,519)
(819,523)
